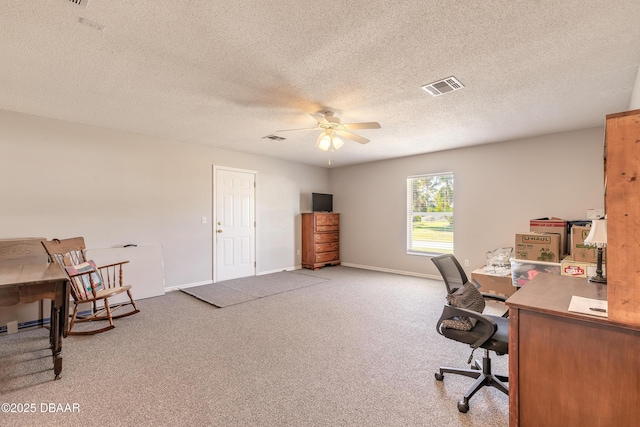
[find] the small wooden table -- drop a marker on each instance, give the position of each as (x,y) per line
(33,282)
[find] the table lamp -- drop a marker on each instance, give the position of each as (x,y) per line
(598,237)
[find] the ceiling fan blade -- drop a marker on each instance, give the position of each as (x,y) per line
(320,118)
(288,130)
(352,136)
(366,125)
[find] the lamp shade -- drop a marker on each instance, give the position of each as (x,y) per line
(327,140)
(324,142)
(598,234)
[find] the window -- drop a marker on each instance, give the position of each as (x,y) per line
(430,214)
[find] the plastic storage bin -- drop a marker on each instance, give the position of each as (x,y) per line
(523,270)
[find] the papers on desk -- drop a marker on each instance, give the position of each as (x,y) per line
(593,307)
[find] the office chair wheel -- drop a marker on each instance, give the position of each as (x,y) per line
(463,406)
(439,376)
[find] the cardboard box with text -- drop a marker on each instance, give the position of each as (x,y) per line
(551,225)
(538,246)
(570,267)
(580,251)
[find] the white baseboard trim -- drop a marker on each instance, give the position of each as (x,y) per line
(297,267)
(389,270)
(209,282)
(187,285)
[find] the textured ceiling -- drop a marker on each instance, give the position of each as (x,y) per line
(225,74)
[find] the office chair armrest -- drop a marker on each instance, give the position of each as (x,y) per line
(494,297)
(450,312)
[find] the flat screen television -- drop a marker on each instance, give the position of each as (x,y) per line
(321,202)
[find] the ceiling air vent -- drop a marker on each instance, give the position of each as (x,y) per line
(274,137)
(443,86)
(81,3)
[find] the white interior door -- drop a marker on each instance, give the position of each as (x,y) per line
(234,227)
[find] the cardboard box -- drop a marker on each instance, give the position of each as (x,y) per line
(493,283)
(595,213)
(551,225)
(524,270)
(538,246)
(580,251)
(570,225)
(570,267)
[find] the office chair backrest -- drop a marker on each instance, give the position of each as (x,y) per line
(451,271)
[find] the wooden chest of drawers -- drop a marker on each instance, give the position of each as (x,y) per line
(320,239)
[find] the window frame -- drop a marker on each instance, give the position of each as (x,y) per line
(411,247)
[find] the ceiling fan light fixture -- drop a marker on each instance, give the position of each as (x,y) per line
(331,126)
(324,141)
(327,140)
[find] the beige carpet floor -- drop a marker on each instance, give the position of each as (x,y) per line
(359,349)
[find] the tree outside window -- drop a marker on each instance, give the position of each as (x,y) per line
(430,214)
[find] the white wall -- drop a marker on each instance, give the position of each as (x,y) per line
(63,180)
(498,188)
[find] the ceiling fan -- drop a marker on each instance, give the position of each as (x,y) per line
(332,128)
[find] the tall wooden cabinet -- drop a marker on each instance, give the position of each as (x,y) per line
(320,239)
(622,204)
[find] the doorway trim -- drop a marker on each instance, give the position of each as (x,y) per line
(214,215)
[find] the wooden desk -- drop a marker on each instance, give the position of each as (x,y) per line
(33,282)
(570,369)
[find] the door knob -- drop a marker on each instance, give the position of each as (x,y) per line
(219,231)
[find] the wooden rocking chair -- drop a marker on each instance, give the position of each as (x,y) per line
(90,284)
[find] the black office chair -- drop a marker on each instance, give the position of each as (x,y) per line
(489,332)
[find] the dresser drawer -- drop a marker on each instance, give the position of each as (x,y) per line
(327,247)
(327,219)
(326,238)
(327,256)
(327,227)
